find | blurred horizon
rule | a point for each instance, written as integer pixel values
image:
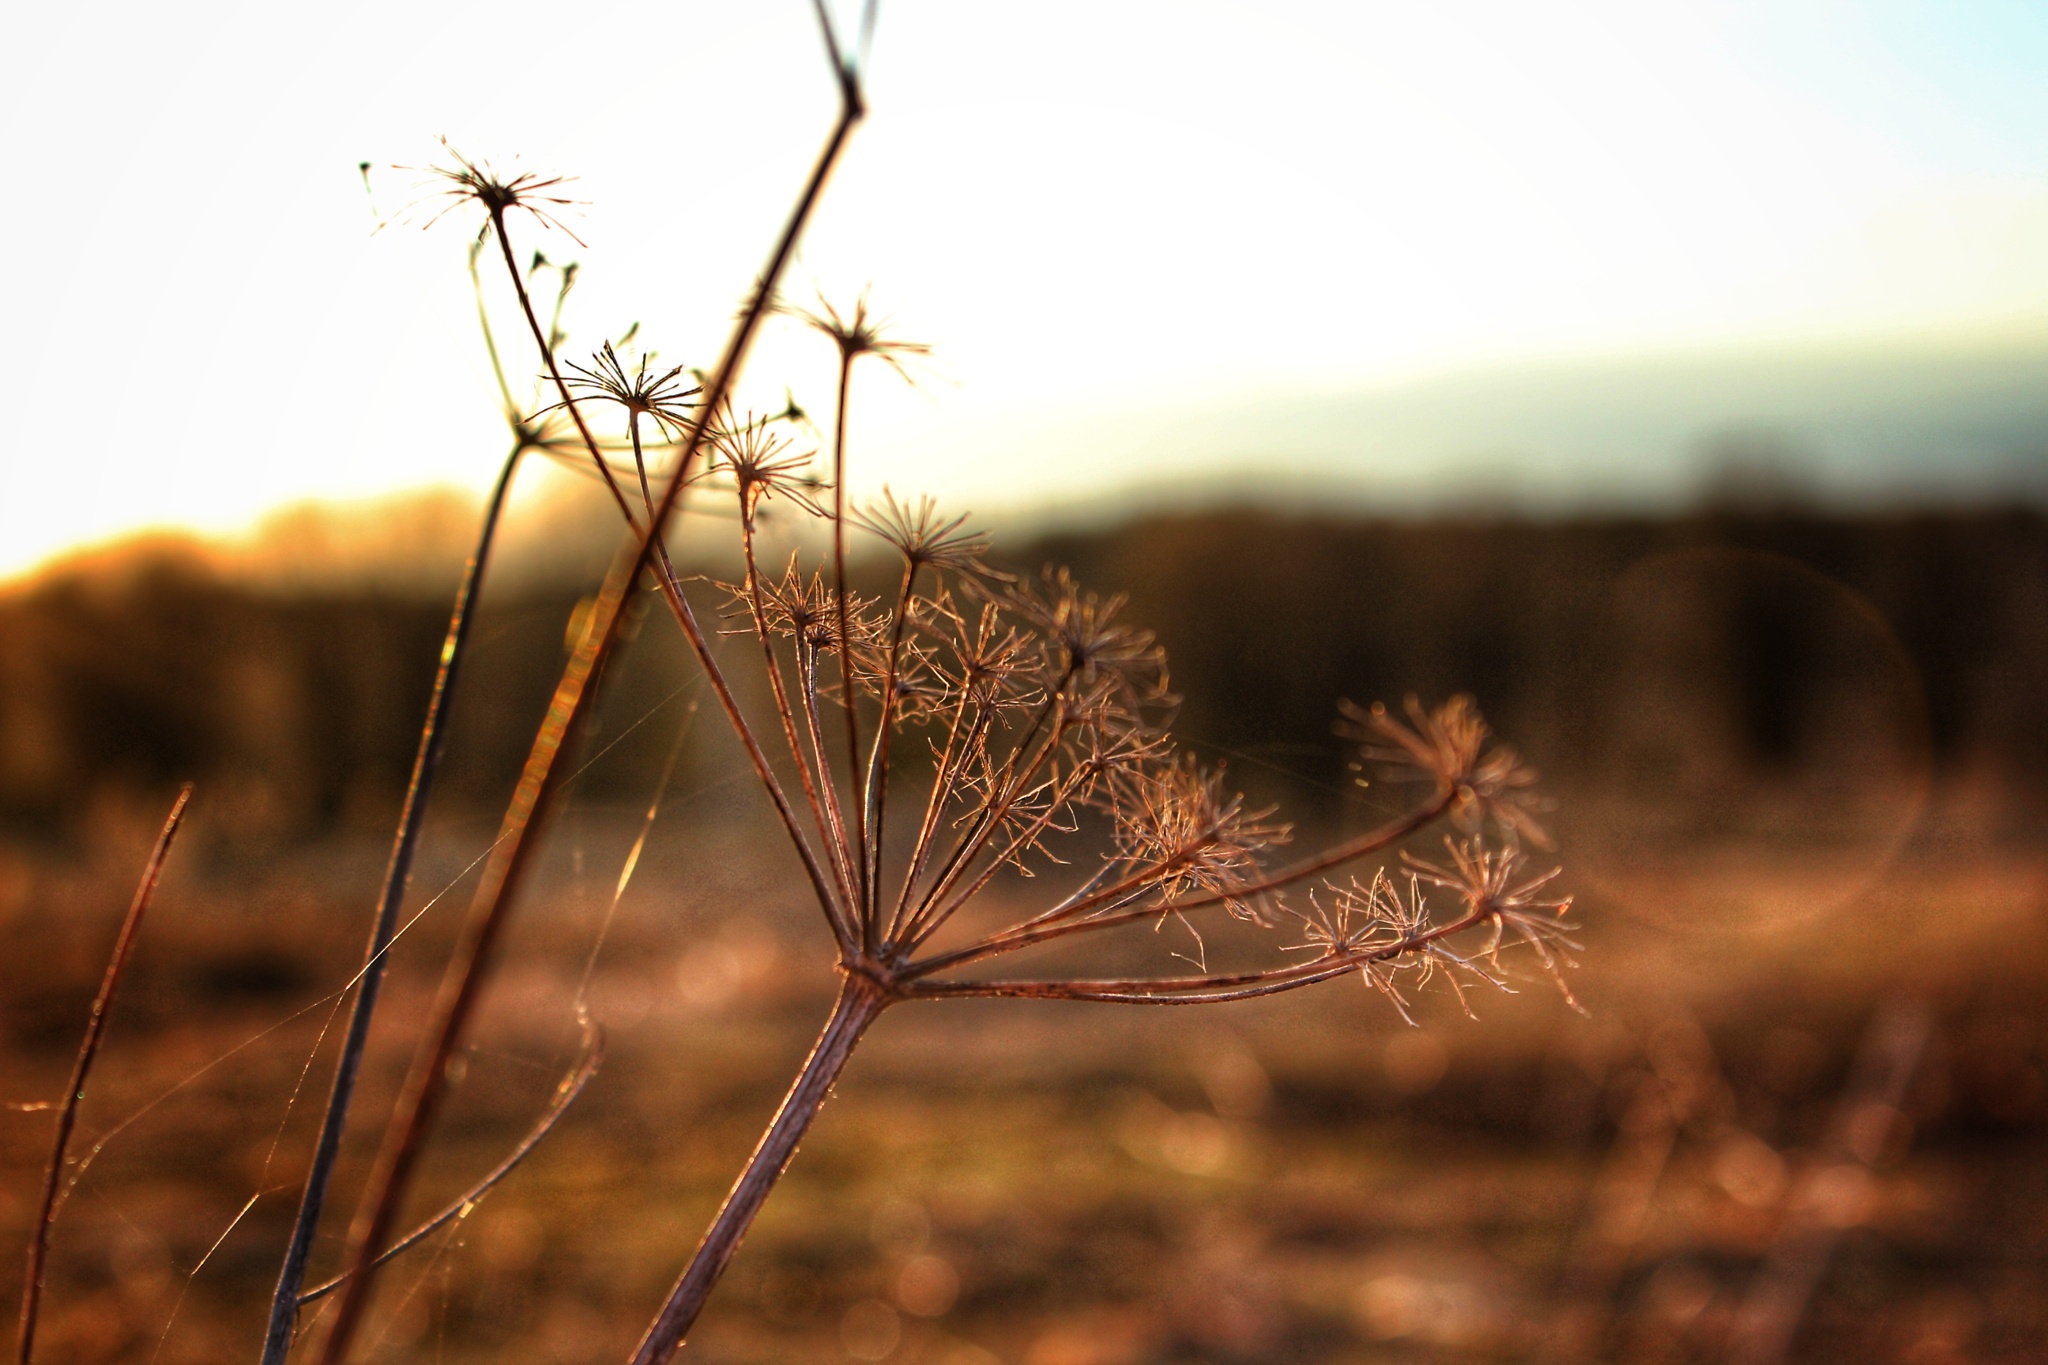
(1597, 255)
(1950, 423)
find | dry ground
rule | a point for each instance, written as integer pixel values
(1295, 1180)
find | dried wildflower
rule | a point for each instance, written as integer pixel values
(479, 183)
(906, 666)
(759, 462)
(857, 333)
(1178, 819)
(1102, 755)
(1368, 924)
(1083, 641)
(1449, 747)
(1495, 890)
(641, 392)
(1042, 712)
(922, 537)
(801, 607)
(987, 665)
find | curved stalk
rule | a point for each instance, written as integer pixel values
(566, 1094)
(74, 1090)
(547, 350)
(860, 1001)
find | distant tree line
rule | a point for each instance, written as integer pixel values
(1752, 640)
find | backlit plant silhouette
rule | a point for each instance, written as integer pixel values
(968, 767)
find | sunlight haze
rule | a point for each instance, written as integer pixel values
(1145, 240)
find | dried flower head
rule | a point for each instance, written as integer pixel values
(1370, 925)
(1083, 643)
(1494, 888)
(857, 333)
(477, 182)
(1179, 818)
(641, 392)
(1448, 746)
(922, 537)
(760, 462)
(801, 607)
(989, 664)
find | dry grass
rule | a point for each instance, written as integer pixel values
(1298, 1179)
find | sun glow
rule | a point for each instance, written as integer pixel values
(1092, 211)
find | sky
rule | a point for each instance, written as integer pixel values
(1151, 244)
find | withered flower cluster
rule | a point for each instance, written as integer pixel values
(969, 766)
(973, 729)
(973, 765)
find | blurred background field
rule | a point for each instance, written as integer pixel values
(1672, 378)
(1799, 772)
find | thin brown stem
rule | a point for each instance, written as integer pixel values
(1372, 841)
(860, 1001)
(1005, 792)
(849, 699)
(1198, 990)
(1001, 792)
(944, 781)
(640, 463)
(1018, 844)
(822, 883)
(828, 826)
(807, 686)
(277, 1341)
(878, 761)
(461, 987)
(547, 353)
(74, 1089)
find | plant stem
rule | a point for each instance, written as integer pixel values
(284, 1303)
(74, 1091)
(860, 1001)
(862, 906)
(547, 352)
(469, 966)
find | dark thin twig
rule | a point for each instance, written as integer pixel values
(277, 1340)
(425, 1087)
(74, 1091)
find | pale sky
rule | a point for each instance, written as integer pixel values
(1093, 211)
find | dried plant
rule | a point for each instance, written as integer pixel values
(967, 768)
